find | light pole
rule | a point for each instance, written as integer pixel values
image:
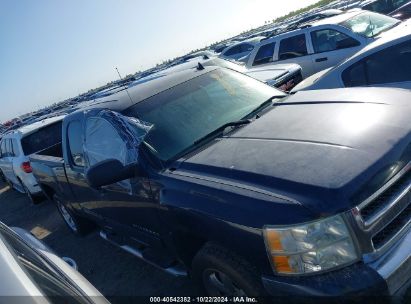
(118, 73)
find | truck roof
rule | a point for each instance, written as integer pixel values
(146, 87)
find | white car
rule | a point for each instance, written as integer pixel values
(16, 147)
(324, 43)
(383, 63)
(240, 50)
(32, 273)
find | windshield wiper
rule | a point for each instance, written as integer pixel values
(263, 106)
(222, 128)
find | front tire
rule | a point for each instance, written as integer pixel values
(76, 224)
(220, 272)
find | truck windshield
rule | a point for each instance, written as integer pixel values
(42, 139)
(189, 111)
(370, 24)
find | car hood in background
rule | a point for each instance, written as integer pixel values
(273, 73)
(327, 149)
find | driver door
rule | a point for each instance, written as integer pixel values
(294, 49)
(126, 205)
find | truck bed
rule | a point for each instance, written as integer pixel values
(49, 172)
(55, 151)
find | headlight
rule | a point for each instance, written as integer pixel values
(312, 247)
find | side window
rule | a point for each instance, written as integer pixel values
(398, 3)
(246, 47)
(292, 47)
(103, 142)
(330, 40)
(380, 6)
(355, 76)
(15, 147)
(265, 54)
(390, 65)
(234, 50)
(75, 142)
(3, 148)
(9, 148)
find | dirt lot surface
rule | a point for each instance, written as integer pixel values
(114, 272)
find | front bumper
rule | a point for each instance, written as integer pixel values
(355, 280)
(388, 276)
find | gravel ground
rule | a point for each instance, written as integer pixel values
(114, 272)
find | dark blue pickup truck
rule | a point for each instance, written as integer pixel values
(211, 173)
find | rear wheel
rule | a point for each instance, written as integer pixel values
(76, 224)
(220, 272)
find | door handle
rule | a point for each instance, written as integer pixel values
(321, 59)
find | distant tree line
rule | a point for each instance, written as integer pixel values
(303, 10)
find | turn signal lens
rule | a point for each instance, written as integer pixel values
(274, 240)
(282, 264)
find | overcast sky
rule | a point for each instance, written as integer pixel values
(52, 50)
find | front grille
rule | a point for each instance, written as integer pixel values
(389, 231)
(378, 204)
(389, 214)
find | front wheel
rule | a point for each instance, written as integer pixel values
(77, 225)
(220, 272)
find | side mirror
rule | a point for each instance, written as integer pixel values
(110, 171)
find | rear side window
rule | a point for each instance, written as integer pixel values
(355, 76)
(42, 139)
(292, 47)
(3, 148)
(75, 142)
(246, 47)
(234, 50)
(390, 65)
(330, 40)
(15, 147)
(9, 148)
(241, 48)
(387, 66)
(265, 54)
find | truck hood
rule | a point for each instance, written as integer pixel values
(329, 150)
